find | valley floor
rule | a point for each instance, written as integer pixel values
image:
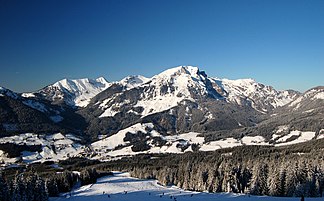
(123, 187)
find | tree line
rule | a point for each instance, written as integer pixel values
(29, 186)
(296, 170)
(257, 170)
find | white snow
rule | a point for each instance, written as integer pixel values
(321, 134)
(173, 86)
(159, 104)
(282, 128)
(113, 110)
(64, 146)
(81, 90)
(319, 96)
(28, 95)
(255, 140)
(231, 142)
(122, 187)
(110, 112)
(244, 91)
(133, 81)
(180, 79)
(161, 92)
(191, 137)
(284, 138)
(118, 138)
(302, 137)
(313, 94)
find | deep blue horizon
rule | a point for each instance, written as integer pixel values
(276, 42)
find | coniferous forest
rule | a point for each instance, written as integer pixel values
(291, 171)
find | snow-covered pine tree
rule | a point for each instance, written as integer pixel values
(274, 182)
(291, 180)
(259, 179)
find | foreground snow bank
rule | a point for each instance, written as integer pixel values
(123, 187)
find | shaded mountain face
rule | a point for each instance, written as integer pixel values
(20, 113)
(304, 113)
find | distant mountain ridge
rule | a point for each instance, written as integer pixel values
(74, 92)
(180, 109)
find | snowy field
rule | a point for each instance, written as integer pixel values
(123, 187)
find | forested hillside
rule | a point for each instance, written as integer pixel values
(258, 170)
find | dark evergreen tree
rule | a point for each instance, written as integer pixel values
(4, 191)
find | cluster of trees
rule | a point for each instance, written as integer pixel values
(14, 150)
(259, 170)
(23, 187)
(248, 169)
(29, 186)
(258, 177)
(65, 181)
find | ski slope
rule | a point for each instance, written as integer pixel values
(123, 187)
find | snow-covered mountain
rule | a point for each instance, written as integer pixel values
(261, 97)
(311, 99)
(183, 99)
(74, 92)
(162, 92)
(171, 87)
(178, 110)
(133, 81)
(7, 92)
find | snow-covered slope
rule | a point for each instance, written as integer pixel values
(7, 92)
(53, 147)
(183, 99)
(133, 81)
(121, 186)
(138, 139)
(175, 111)
(260, 97)
(312, 98)
(169, 88)
(163, 91)
(75, 92)
(143, 138)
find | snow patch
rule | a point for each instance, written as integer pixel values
(79, 91)
(300, 137)
(133, 81)
(28, 95)
(319, 96)
(54, 147)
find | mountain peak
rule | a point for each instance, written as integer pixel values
(179, 70)
(7, 92)
(133, 81)
(102, 80)
(75, 92)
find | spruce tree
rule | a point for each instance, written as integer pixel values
(4, 191)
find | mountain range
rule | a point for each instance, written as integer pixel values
(180, 109)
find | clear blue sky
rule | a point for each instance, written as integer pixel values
(276, 42)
